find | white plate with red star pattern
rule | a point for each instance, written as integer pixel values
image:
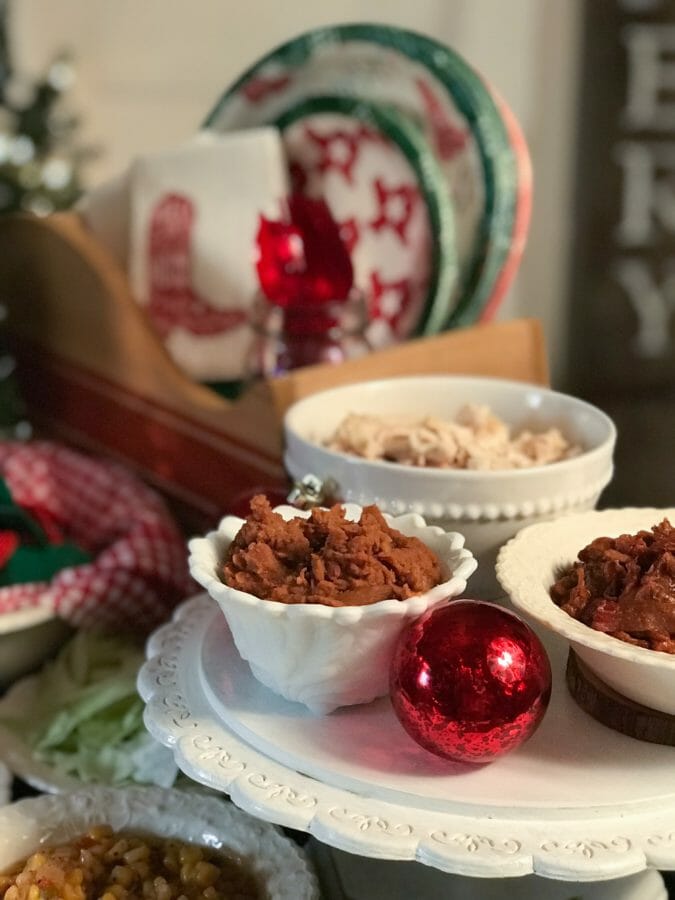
(375, 170)
(436, 227)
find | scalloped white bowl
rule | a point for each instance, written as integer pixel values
(526, 569)
(488, 508)
(279, 865)
(319, 655)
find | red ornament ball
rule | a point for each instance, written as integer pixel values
(470, 681)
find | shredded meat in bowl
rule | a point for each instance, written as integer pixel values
(476, 439)
(625, 587)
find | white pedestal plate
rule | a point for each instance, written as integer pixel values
(577, 802)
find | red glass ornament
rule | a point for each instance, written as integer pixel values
(470, 681)
(303, 262)
(329, 275)
(309, 311)
(281, 260)
(240, 505)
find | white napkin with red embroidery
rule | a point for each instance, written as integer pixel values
(190, 216)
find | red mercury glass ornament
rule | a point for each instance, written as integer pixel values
(281, 260)
(470, 681)
(309, 311)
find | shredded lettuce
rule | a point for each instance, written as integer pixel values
(86, 717)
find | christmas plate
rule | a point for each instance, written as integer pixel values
(473, 136)
(384, 186)
(577, 802)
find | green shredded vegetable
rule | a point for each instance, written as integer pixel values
(86, 717)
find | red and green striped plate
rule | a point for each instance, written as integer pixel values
(434, 114)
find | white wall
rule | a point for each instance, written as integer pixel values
(149, 71)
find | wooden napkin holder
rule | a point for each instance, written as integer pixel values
(94, 373)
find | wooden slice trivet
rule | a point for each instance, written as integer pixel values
(614, 710)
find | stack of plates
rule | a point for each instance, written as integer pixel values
(424, 167)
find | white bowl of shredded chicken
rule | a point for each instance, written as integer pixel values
(483, 456)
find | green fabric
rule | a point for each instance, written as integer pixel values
(15, 518)
(29, 563)
(38, 560)
(5, 496)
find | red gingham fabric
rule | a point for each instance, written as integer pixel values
(139, 572)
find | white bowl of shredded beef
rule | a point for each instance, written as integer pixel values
(316, 600)
(606, 582)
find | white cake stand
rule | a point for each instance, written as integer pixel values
(577, 802)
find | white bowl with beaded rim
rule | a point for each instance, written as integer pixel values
(487, 507)
(530, 563)
(325, 656)
(278, 864)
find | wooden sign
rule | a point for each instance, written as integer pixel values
(623, 302)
